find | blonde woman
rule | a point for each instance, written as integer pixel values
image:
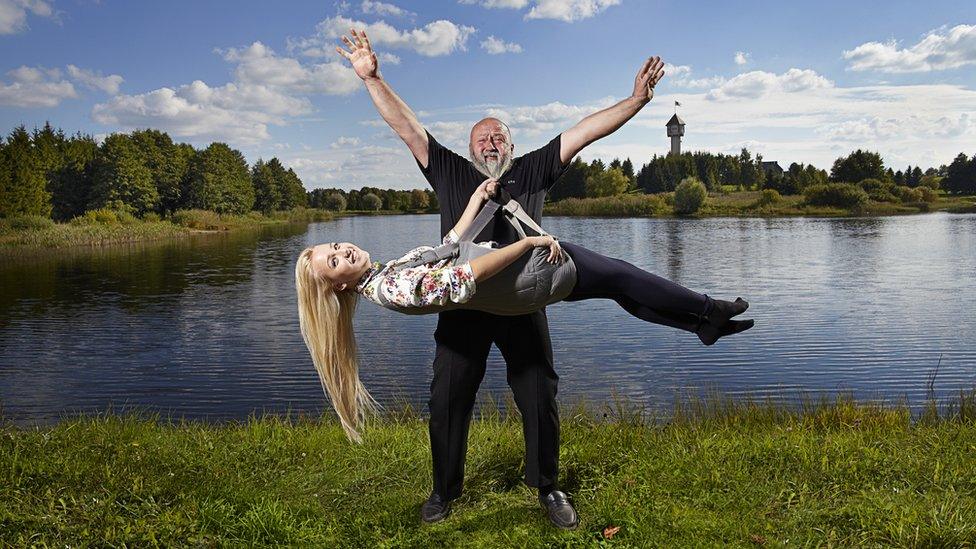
(516, 279)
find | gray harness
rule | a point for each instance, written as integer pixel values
(528, 284)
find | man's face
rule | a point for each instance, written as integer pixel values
(490, 148)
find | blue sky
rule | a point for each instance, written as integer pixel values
(803, 82)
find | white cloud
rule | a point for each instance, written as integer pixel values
(382, 8)
(387, 58)
(437, 38)
(90, 79)
(741, 58)
(755, 84)
(938, 50)
(13, 14)
(680, 76)
(35, 87)
(496, 46)
(568, 10)
(537, 119)
(562, 10)
(267, 90)
(259, 64)
(344, 141)
(508, 4)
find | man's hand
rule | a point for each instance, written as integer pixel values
(361, 54)
(647, 77)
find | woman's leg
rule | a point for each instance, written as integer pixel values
(652, 298)
(643, 294)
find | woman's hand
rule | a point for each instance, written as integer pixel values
(555, 251)
(486, 190)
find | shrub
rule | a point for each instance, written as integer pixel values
(625, 205)
(907, 194)
(29, 222)
(196, 219)
(689, 195)
(151, 217)
(839, 195)
(769, 197)
(878, 190)
(928, 194)
(931, 181)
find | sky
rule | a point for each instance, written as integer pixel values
(794, 81)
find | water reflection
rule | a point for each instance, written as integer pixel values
(206, 327)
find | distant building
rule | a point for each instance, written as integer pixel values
(676, 128)
(772, 168)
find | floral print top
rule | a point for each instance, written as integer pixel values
(437, 283)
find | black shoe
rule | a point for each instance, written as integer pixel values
(435, 509)
(709, 334)
(560, 511)
(721, 311)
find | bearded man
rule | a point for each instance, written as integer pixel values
(464, 337)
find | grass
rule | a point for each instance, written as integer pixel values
(719, 473)
(30, 233)
(743, 204)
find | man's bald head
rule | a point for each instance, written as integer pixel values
(491, 147)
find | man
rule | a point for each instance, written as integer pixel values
(464, 337)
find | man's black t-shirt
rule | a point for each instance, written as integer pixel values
(454, 178)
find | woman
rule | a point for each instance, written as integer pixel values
(330, 277)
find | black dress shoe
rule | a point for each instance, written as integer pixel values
(435, 509)
(560, 511)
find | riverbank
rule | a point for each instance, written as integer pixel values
(836, 474)
(745, 204)
(105, 227)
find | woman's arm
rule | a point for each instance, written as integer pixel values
(488, 265)
(477, 200)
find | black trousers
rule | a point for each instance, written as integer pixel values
(464, 338)
(645, 295)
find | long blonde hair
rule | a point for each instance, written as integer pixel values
(325, 317)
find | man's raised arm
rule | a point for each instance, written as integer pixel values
(396, 113)
(603, 123)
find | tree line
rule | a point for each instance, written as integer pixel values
(49, 174)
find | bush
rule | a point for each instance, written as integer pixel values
(928, 194)
(372, 202)
(196, 219)
(768, 198)
(151, 217)
(931, 181)
(624, 205)
(907, 194)
(878, 190)
(838, 195)
(29, 222)
(689, 195)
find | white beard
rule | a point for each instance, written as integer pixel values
(493, 170)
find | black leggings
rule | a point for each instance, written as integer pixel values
(642, 294)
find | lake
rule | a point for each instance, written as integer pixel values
(206, 328)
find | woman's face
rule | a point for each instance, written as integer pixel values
(340, 262)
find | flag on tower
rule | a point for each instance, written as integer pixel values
(676, 104)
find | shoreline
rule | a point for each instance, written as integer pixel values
(58, 236)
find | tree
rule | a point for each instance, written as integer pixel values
(628, 170)
(572, 183)
(335, 202)
(606, 183)
(961, 175)
(689, 196)
(916, 179)
(168, 164)
(293, 191)
(372, 202)
(419, 200)
(220, 180)
(751, 175)
(267, 195)
(121, 178)
(24, 189)
(71, 185)
(857, 166)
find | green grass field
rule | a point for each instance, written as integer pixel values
(831, 474)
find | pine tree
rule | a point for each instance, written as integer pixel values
(24, 189)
